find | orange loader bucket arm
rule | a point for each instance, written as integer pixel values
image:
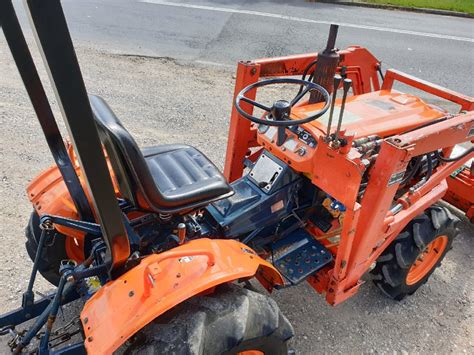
(124, 306)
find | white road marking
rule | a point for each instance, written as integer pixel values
(306, 20)
(206, 62)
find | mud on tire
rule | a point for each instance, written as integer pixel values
(393, 266)
(229, 321)
(53, 252)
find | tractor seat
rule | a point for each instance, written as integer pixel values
(172, 178)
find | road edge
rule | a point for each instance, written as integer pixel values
(396, 7)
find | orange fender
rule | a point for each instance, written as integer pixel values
(161, 281)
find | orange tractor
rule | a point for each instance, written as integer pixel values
(161, 246)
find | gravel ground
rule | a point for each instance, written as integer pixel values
(163, 101)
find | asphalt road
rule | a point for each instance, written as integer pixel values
(436, 48)
(165, 101)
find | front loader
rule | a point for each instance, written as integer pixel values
(343, 178)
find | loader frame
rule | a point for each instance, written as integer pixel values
(371, 225)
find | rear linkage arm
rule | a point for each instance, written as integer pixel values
(46, 309)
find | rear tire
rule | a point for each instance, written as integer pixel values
(229, 321)
(53, 253)
(417, 251)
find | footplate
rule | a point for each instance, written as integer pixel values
(299, 255)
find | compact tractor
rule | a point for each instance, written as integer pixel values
(342, 178)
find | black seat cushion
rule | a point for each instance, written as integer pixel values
(165, 178)
(184, 175)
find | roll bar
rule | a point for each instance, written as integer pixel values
(52, 36)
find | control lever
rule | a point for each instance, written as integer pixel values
(337, 82)
(346, 85)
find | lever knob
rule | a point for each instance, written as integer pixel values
(337, 81)
(346, 85)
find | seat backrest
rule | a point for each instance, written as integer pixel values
(124, 154)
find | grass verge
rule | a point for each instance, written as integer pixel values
(451, 5)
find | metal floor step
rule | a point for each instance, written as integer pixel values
(299, 255)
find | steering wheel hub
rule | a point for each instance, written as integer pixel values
(281, 110)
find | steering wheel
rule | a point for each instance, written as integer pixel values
(281, 109)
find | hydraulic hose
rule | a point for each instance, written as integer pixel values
(449, 160)
(413, 170)
(429, 172)
(305, 72)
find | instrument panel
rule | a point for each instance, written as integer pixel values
(299, 142)
(304, 136)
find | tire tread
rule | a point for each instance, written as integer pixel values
(389, 274)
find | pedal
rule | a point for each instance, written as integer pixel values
(299, 255)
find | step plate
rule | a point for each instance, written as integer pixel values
(299, 255)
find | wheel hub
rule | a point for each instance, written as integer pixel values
(427, 259)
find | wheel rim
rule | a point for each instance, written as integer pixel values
(427, 259)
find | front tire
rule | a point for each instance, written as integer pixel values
(232, 320)
(416, 252)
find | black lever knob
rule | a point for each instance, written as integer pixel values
(346, 85)
(337, 82)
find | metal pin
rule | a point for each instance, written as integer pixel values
(346, 85)
(337, 81)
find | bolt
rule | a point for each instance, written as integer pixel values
(86, 320)
(253, 71)
(90, 339)
(131, 294)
